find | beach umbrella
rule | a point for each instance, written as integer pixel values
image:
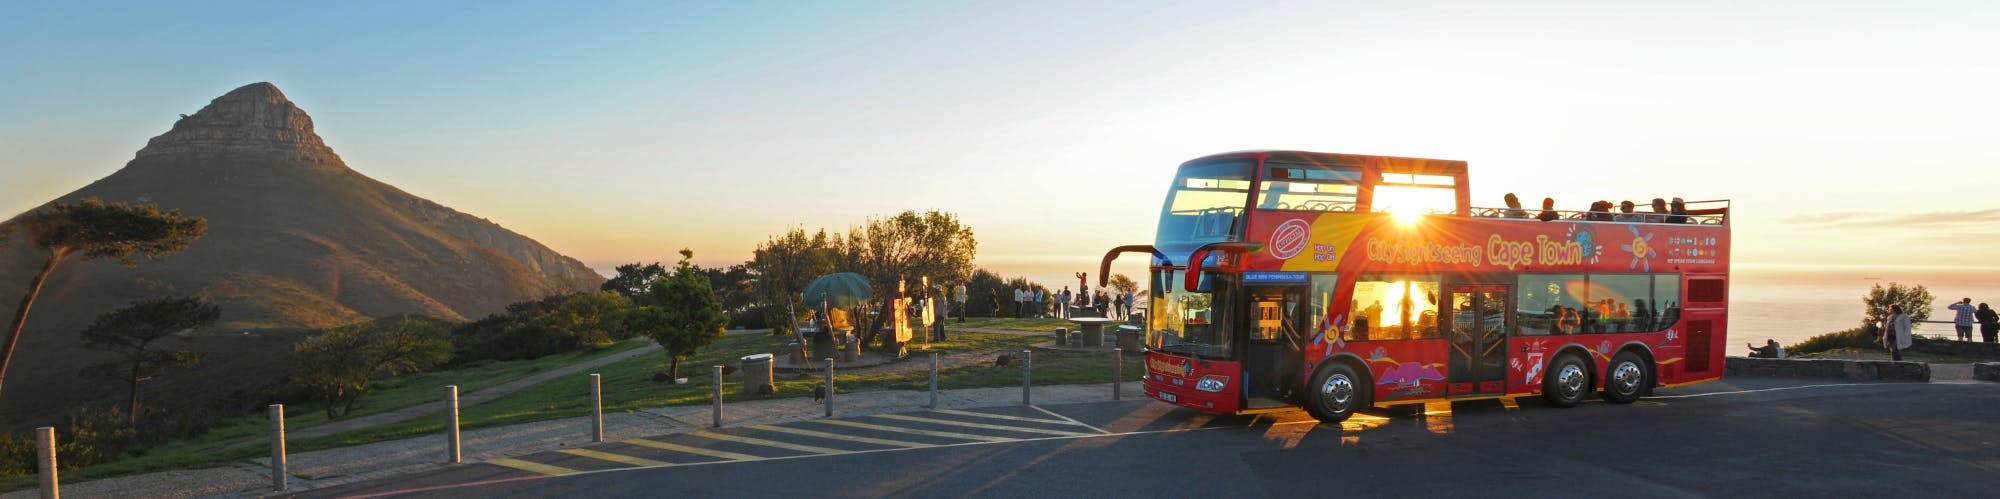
(838, 290)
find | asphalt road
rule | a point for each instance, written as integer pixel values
(1744, 437)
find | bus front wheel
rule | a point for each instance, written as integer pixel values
(1336, 393)
(1628, 378)
(1567, 380)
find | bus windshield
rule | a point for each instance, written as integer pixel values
(1205, 205)
(1191, 323)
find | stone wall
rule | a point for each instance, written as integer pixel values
(1884, 370)
(1987, 371)
(1955, 347)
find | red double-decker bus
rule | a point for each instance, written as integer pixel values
(1340, 281)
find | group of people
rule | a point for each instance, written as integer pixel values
(1608, 316)
(1966, 315)
(1664, 211)
(1037, 303)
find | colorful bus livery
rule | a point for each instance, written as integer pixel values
(1334, 282)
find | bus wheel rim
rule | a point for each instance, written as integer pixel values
(1571, 381)
(1338, 392)
(1627, 375)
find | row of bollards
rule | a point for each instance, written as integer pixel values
(45, 444)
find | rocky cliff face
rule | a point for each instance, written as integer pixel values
(296, 241)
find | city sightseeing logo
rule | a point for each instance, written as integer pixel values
(1641, 249)
(1290, 238)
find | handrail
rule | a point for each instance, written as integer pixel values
(1195, 258)
(1104, 268)
(1695, 216)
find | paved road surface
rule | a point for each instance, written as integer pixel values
(1745, 437)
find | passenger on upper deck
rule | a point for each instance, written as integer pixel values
(1514, 207)
(1548, 210)
(1680, 215)
(1625, 213)
(1600, 211)
(1659, 214)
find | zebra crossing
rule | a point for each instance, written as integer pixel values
(824, 437)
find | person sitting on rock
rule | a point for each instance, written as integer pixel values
(1770, 350)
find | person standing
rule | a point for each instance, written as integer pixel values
(1118, 307)
(959, 292)
(1062, 303)
(1128, 305)
(1896, 332)
(1989, 322)
(1037, 306)
(1963, 319)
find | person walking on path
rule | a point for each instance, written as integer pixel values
(1962, 320)
(1896, 332)
(1989, 322)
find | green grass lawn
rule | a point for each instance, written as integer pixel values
(628, 385)
(1037, 325)
(224, 443)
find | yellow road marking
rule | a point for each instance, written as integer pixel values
(768, 443)
(837, 436)
(616, 458)
(982, 426)
(1006, 417)
(912, 431)
(690, 449)
(532, 467)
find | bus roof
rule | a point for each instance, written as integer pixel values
(1394, 164)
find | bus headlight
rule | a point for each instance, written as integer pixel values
(1212, 383)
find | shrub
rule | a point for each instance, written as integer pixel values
(1860, 337)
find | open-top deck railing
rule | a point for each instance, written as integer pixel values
(1710, 212)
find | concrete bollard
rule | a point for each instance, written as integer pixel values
(1117, 372)
(45, 452)
(279, 471)
(451, 439)
(934, 376)
(596, 408)
(716, 372)
(1027, 359)
(829, 387)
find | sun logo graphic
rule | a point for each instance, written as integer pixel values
(1588, 240)
(1641, 249)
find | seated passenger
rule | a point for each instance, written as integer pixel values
(1514, 207)
(1770, 350)
(1625, 213)
(1600, 211)
(1548, 210)
(1680, 213)
(1659, 214)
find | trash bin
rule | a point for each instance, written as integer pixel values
(850, 348)
(822, 347)
(757, 375)
(796, 354)
(1128, 338)
(1062, 336)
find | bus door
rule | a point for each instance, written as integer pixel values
(1279, 316)
(1478, 363)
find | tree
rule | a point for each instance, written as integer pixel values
(1124, 284)
(635, 281)
(688, 317)
(589, 318)
(130, 333)
(1915, 300)
(909, 245)
(338, 364)
(94, 230)
(732, 286)
(783, 266)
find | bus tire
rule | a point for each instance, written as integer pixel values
(1626, 379)
(1336, 392)
(1566, 382)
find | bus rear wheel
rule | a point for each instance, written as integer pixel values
(1567, 381)
(1627, 379)
(1336, 393)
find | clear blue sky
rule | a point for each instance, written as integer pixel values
(1848, 133)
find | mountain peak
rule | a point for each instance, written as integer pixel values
(253, 121)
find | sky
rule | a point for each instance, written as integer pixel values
(1845, 134)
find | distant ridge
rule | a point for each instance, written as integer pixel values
(296, 240)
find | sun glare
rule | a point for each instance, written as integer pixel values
(1409, 204)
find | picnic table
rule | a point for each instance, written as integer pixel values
(1093, 329)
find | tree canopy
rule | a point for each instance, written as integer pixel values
(688, 317)
(635, 281)
(781, 268)
(338, 364)
(130, 333)
(94, 230)
(1914, 299)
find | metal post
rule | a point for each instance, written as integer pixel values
(596, 408)
(45, 448)
(717, 374)
(279, 471)
(452, 441)
(1117, 372)
(1027, 358)
(934, 373)
(829, 387)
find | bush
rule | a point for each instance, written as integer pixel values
(1860, 337)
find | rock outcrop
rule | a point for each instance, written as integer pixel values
(296, 241)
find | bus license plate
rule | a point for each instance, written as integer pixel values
(1169, 397)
